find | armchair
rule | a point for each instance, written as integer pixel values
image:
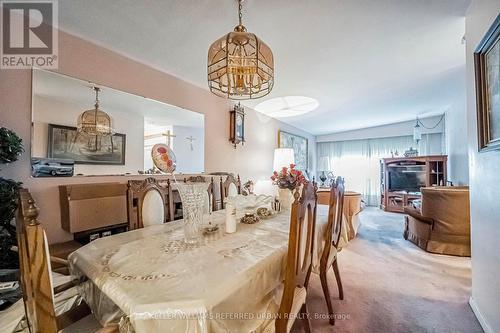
(442, 225)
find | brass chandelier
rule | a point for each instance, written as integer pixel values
(240, 65)
(95, 122)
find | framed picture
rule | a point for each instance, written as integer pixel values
(487, 72)
(300, 147)
(66, 143)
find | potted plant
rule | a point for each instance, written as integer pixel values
(10, 148)
(287, 180)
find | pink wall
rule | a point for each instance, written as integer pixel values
(84, 60)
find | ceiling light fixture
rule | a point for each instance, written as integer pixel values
(287, 106)
(417, 132)
(240, 65)
(95, 121)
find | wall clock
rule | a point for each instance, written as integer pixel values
(237, 125)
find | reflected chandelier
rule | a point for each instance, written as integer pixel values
(95, 121)
(240, 65)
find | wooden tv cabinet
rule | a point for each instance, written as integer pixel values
(431, 168)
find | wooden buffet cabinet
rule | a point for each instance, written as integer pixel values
(402, 177)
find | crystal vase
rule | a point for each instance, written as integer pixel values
(193, 198)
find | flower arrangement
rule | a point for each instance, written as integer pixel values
(288, 178)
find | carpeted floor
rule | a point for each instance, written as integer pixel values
(390, 285)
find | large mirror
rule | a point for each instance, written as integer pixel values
(70, 138)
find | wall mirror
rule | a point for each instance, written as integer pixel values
(65, 143)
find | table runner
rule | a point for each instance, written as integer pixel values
(225, 284)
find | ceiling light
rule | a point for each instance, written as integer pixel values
(95, 121)
(287, 106)
(240, 65)
(417, 132)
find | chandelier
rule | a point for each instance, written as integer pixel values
(94, 121)
(240, 65)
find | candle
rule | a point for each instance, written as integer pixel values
(230, 218)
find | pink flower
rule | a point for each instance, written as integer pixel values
(273, 177)
(292, 166)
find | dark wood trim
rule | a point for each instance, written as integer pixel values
(485, 141)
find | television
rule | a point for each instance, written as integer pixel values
(406, 180)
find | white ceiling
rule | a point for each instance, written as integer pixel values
(367, 62)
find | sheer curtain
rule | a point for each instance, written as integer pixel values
(358, 161)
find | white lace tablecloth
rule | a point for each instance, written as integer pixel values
(158, 284)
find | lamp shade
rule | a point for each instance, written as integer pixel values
(283, 157)
(324, 164)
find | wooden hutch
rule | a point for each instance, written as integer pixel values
(402, 177)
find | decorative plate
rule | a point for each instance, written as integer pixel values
(163, 158)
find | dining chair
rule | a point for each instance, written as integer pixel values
(37, 283)
(331, 247)
(149, 202)
(298, 263)
(229, 187)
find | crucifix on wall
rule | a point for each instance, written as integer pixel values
(191, 139)
(169, 135)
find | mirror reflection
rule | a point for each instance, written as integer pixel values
(81, 128)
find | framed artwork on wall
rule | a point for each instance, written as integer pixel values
(487, 73)
(300, 146)
(66, 143)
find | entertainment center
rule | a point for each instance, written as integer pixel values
(402, 177)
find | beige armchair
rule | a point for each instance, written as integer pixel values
(442, 225)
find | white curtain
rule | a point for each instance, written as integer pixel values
(358, 161)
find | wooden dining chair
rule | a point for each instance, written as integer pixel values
(330, 251)
(36, 279)
(298, 263)
(230, 186)
(149, 203)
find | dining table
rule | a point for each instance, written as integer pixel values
(150, 280)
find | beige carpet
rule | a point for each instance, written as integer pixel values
(390, 285)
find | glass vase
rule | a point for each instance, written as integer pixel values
(193, 198)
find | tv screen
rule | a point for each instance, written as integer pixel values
(406, 181)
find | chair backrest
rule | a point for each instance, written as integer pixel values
(34, 260)
(229, 187)
(149, 202)
(335, 215)
(300, 251)
(449, 207)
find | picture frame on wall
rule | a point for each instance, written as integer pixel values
(64, 142)
(300, 146)
(487, 75)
